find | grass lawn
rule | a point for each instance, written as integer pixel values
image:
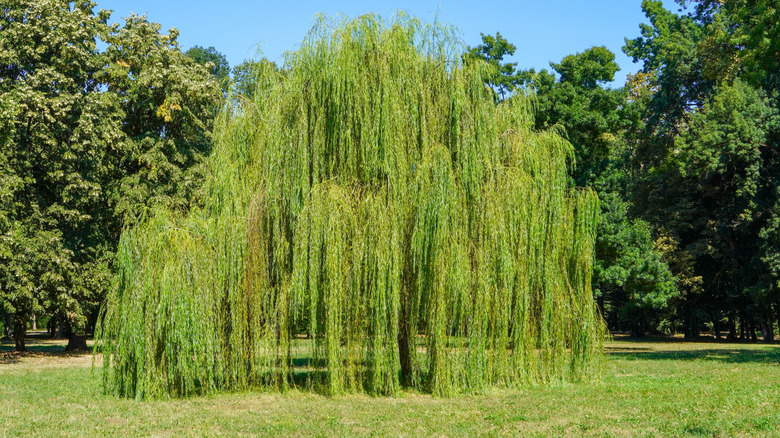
(650, 388)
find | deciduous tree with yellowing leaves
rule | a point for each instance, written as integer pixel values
(90, 138)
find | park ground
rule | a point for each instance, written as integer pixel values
(654, 387)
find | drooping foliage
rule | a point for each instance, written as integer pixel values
(371, 219)
(631, 282)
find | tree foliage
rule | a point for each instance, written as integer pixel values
(708, 156)
(247, 76)
(214, 61)
(503, 77)
(48, 89)
(578, 100)
(166, 103)
(377, 201)
(89, 138)
(632, 282)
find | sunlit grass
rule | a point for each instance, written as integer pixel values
(651, 388)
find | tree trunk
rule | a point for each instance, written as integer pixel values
(59, 332)
(638, 330)
(404, 339)
(20, 330)
(767, 330)
(742, 330)
(407, 342)
(8, 326)
(732, 327)
(77, 342)
(752, 331)
(716, 326)
(691, 326)
(777, 311)
(34, 323)
(405, 356)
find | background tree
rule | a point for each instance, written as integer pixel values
(493, 49)
(631, 280)
(90, 139)
(580, 101)
(214, 61)
(166, 104)
(742, 43)
(50, 96)
(707, 159)
(251, 76)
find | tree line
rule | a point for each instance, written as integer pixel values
(100, 121)
(684, 157)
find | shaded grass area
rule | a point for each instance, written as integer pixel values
(39, 345)
(704, 349)
(650, 388)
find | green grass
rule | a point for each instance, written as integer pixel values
(650, 388)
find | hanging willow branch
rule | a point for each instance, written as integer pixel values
(373, 219)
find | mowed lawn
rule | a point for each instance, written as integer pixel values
(650, 388)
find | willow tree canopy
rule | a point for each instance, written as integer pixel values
(371, 220)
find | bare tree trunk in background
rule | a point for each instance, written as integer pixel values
(777, 312)
(76, 339)
(716, 326)
(59, 332)
(691, 325)
(34, 322)
(20, 330)
(752, 331)
(77, 342)
(638, 330)
(768, 330)
(732, 327)
(8, 324)
(742, 327)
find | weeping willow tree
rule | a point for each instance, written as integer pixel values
(371, 220)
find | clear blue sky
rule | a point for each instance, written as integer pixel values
(543, 31)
